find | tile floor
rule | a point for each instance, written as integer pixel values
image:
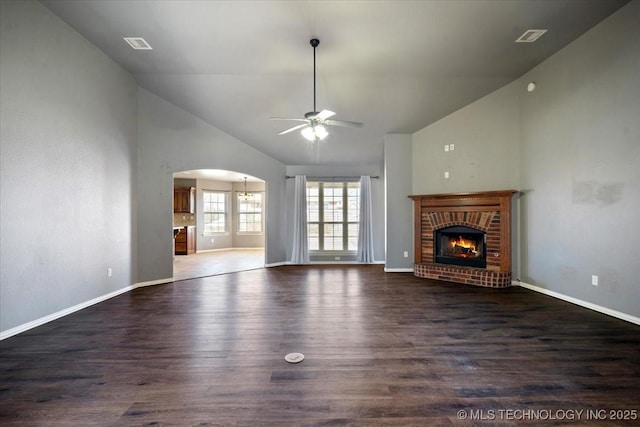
(218, 262)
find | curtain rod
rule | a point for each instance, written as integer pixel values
(333, 177)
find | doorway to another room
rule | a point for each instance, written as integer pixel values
(218, 223)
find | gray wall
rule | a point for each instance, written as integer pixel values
(68, 160)
(580, 167)
(485, 135)
(377, 201)
(398, 206)
(576, 143)
(172, 140)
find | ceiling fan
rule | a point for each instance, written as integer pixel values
(314, 122)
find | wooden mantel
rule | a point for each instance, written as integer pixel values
(489, 211)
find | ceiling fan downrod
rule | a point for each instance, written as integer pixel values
(314, 43)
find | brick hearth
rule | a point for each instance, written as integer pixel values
(487, 211)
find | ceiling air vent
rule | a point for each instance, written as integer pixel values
(530, 36)
(138, 43)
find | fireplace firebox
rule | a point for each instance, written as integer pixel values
(459, 245)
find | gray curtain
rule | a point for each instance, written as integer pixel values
(300, 252)
(365, 229)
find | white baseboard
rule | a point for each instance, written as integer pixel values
(331, 262)
(228, 249)
(205, 251)
(51, 317)
(153, 282)
(276, 264)
(614, 313)
(398, 270)
(57, 315)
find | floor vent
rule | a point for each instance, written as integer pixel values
(294, 357)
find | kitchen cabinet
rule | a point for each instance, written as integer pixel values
(185, 241)
(184, 200)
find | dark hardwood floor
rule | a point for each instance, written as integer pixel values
(380, 349)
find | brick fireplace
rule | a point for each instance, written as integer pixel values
(487, 213)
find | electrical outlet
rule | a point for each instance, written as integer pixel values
(109, 272)
(446, 175)
(446, 148)
(337, 258)
(452, 147)
(406, 254)
(594, 280)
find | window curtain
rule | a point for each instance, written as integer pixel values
(365, 229)
(300, 252)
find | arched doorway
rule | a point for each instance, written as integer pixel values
(218, 221)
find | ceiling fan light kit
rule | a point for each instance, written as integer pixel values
(314, 133)
(313, 129)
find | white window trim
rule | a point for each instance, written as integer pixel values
(237, 214)
(227, 224)
(332, 252)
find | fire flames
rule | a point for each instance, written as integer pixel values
(463, 248)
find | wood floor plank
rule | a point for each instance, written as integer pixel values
(380, 349)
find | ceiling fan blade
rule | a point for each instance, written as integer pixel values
(293, 128)
(289, 119)
(343, 123)
(325, 114)
(320, 116)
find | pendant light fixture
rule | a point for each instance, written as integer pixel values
(245, 196)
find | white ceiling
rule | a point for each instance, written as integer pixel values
(396, 66)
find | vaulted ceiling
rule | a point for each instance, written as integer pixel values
(397, 66)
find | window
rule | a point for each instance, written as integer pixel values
(250, 214)
(215, 212)
(333, 210)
